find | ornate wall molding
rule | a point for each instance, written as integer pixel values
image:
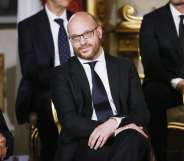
(97, 8)
(129, 19)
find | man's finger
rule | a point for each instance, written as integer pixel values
(103, 142)
(139, 129)
(141, 132)
(93, 141)
(91, 137)
(132, 126)
(98, 142)
(120, 129)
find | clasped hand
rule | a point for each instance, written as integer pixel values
(3, 148)
(104, 131)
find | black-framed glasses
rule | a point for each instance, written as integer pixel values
(86, 35)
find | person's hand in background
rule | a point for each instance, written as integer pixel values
(3, 148)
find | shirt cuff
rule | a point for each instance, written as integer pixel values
(175, 81)
(118, 119)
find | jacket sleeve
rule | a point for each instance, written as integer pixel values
(137, 111)
(23, 105)
(26, 52)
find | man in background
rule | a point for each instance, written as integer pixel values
(43, 44)
(162, 52)
(6, 139)
(99, 101)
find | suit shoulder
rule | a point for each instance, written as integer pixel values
(58, 73)
(60, 69)
(157, 13)
(57, 68)
(32, 18)
(64, 68)
(121, 61)
(69, 14)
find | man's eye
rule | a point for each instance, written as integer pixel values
(76, 38)
(87, 34)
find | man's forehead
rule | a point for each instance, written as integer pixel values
(81, 17)
(80, 29)
(81, 26)
(82, 20)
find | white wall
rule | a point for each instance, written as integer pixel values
(8, 46)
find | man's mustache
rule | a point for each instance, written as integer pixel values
(84, 46)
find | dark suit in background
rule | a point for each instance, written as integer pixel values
(36, 51)
(163, 60)
(4, 131)
(72, 98)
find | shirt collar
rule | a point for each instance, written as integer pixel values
(174, 11)
(101, 58)
(52, 16)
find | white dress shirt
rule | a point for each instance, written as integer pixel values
(176, 16)
(101, 70)
(55, 30)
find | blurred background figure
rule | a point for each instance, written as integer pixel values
(42, 44)
(162, 51)
(6, 139)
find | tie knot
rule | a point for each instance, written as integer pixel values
(92, 64)
(59, 21)
(181, 17)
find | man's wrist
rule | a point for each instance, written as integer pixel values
(118, 119)
(113, 118)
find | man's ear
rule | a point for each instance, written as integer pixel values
(99, 31)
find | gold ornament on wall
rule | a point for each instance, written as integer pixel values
(130, 21)
(97, 8)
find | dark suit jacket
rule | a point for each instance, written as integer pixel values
(162, 56)
(72, 98)
(36, 51)
(7, 134)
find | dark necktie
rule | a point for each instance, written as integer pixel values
(63, 42)
(181, 33)
(99, 96)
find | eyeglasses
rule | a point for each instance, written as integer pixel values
(86, 35)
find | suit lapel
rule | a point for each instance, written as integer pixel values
(69, 14)
(112, 69)
(46, 36)
(169, 24)
(80, 77)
